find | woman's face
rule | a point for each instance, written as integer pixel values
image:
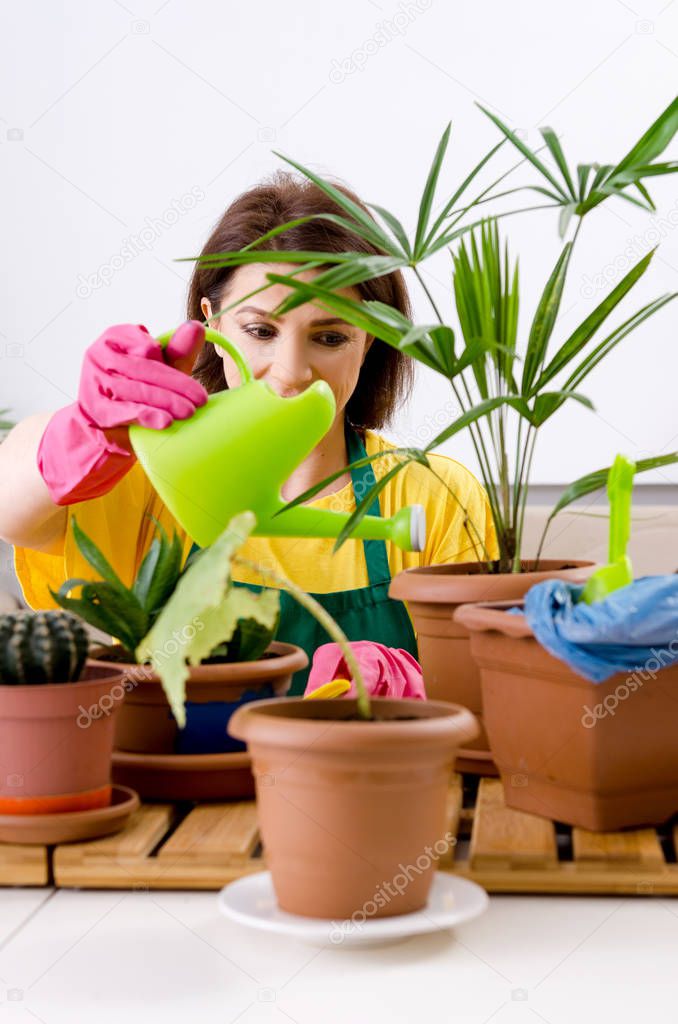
(289, 353)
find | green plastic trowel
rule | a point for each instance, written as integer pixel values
(619, 572)
(236, 452)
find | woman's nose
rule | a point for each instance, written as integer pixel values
(289, 373)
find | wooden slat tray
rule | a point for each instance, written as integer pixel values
(206, 846)
(24, 865)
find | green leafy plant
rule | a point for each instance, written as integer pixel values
(506, 386)
(125, 613)
(4, 423)
(129, 613)
(205, 608)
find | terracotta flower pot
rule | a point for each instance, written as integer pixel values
(56, 741)
(433, 593)
(351, 811)
(146, 724)
(602, 756)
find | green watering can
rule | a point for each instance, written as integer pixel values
(236, 452)
(619, 572)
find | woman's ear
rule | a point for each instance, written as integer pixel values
(206, 307)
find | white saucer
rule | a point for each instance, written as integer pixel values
(251, 901)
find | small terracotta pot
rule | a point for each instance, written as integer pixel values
(351, 811)
(146, 724)
(56, 741)
(558, 756)
(433, 593)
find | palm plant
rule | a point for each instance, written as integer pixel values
(509, 407)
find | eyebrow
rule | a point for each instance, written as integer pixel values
(326, 321)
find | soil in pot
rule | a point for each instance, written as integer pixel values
(352, 812)
(56, 741)
(432, 594)
(602, 756)
(214, 690)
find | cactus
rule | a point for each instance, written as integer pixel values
(41, 647)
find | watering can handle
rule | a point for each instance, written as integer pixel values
(619, 491)
(219, 339)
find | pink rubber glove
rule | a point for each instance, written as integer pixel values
(387, 671)
(126, 377)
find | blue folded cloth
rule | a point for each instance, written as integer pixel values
(634, 628)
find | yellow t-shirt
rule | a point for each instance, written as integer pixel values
(119, 523)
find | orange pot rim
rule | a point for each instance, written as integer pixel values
(99, 678)
(492, 616)
(461, 582)
(277, 722)
(289, 658)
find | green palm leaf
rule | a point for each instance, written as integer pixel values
(597, 480)
(516, 141)
(396, 227)
(429, 193)
(365, 504)
(619, 333)
(358, 314)
(550, 401)
(545, 319)
(651, 144)
(347, 274)
(588, 327)
(369, 228)
(411, 454)
(555, 149)
(448, 208)
(479, 411)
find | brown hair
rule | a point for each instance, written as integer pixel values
(387, 375)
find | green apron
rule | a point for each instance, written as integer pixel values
(367, 613)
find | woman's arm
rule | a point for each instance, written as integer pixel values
(28, 516)
(80, 452)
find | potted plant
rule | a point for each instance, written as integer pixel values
(601, 756)
(521, 385)
(57, 716)
(351, 793)
(250, 666)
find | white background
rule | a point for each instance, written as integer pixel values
(112, 111)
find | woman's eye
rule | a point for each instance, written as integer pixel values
(261, 331)
(331, 339)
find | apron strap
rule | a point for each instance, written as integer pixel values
(376, 557)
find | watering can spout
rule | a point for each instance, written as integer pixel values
(235, 454)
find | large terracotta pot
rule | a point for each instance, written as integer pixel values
(350, 809)
(56, 741)
(146, 724)
(433, 593)
(599, 755)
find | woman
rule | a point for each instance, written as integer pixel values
(79, 461)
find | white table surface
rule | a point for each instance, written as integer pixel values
(71, 956)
